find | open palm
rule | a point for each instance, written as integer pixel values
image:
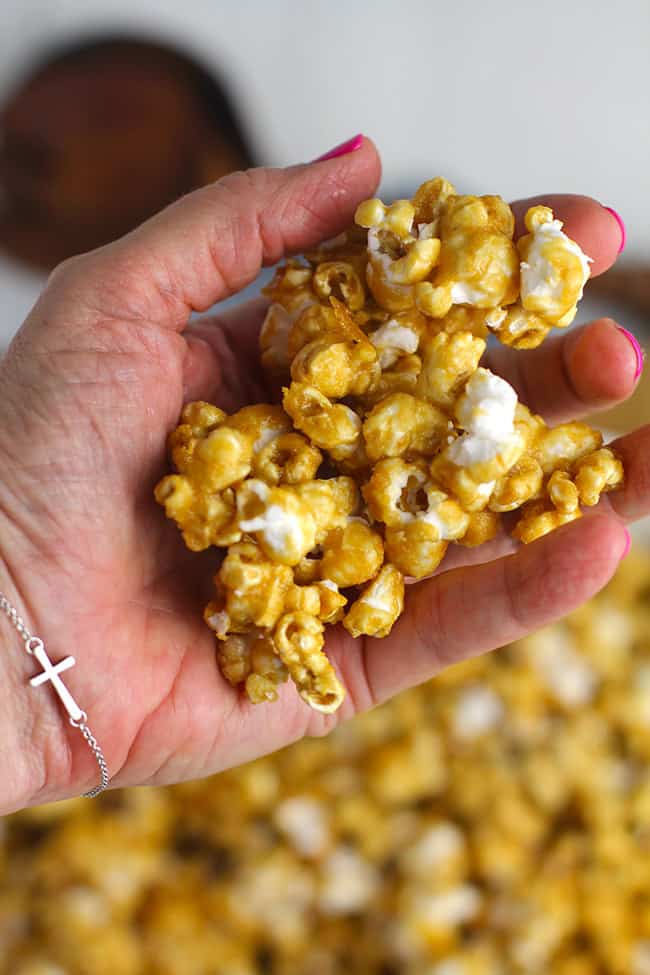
(90, 388)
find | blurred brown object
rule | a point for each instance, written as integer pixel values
(101, 136)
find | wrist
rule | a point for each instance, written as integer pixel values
(35, 752)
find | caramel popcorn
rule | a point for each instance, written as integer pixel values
(392, 442)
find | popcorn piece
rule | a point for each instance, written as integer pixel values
(478, 712)
(560, 447)
(491, 445)
(416, 548)
(267, 671)
(397, 258)
(216, 460)
(538, 520)
(483, 527)
(321, 599)
(304, 822)
(290, 293)
(478, 260)
(287, 459)
(597, 472)
(250, 659)
(553, 268)
(262, 423)
(299, 641)
(402, 424)
(335, 366)
(562, 492)
(378, 606)
(278, 519)
(448, 361)
(233, 653)
(331, 503)
(253, 590)
(315, 322)
(339, 279)
(397, 337)
(522, 483)
(348, 884)
(420, 518)
(402, 377)
(204, 518)
(352, 554)
(326, 424)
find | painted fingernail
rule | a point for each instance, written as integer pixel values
(628, 545)
(638, 351)
(621, 223)
(351, 145)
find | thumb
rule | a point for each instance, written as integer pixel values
(213, 242)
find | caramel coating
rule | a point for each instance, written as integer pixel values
(299, 640)
(378, 607)
(352, 554)
(327, 424)
(403, 425)
(393, 442)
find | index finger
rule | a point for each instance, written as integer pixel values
(588, 222)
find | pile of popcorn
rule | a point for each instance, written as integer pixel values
(495, 821)
(392, 440)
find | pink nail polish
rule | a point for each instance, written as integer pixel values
(351, 145)
(638, 351)
(628, 545)
(619, 220)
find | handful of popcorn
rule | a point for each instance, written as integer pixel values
(392, 440)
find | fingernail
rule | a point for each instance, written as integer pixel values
(638, 351)
(628, 544)
(343, 149)
(621, 223)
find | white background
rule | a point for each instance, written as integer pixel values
(500, 96)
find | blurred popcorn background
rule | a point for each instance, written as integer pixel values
(496, 820)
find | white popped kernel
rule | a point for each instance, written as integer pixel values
(279, 528)
(450, 966)
(437, 846)
(495, 318)
(377, 604)
(304, 822)
(641, 695)
(219, 622)
(463, 294)
(392, 339)
(427, 230)
(641, 958)
(277, 324)
(478, 711)
(87, 904)
(539, 278)
(567, 674)
(268, 434)
(486, 411)
(458, 905)
(348, 883)
(329, 585)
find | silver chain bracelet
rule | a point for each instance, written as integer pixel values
(78, 718)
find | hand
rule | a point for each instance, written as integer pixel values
(89, 389)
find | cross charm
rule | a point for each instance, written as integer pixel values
(51, 673)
